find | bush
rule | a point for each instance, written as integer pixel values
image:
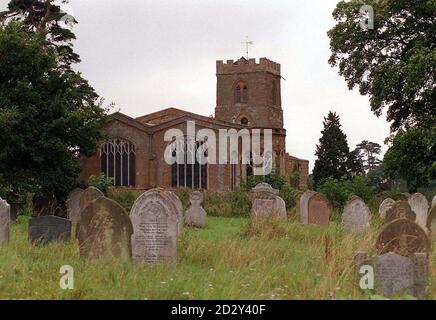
(101, 182)
(125, 197)
(288, 194)
(232, 204)
(274, 180)
(339, 191)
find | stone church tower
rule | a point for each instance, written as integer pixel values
(248, 93)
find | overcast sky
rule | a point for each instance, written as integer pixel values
(148, 55)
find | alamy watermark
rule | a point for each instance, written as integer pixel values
(203, 147)
(367, 17)
(67, 279)
(367, 280)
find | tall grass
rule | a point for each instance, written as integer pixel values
(222, 261)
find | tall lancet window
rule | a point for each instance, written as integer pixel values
(241, 92)
(118, 161)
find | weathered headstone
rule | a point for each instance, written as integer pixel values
(319, 210)
(179, 206)
(304, 206)
(105, 231)
(88, 196)
(400, 209)
(155, 221)
(385, 206)
(394, 275)
(73, 205)
(431, 224)
(356, 216)
(419, 204)
(5, 221)
(46, 229)
(266, 203)
(195, 215)
(403, 237)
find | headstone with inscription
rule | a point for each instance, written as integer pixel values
(403, 237)
(319, 209)
(419, 204)
(356, 216)
(105, 231)
(396, 275)
(73, 205)
(400, 209)
(5, 221)
(304, 206)
(266, 203)
(46, 229)
(155, 222)
(195, 215)
(385, 206)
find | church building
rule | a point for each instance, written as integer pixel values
(248, 97)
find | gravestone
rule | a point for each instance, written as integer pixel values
(196, 216)
(431, 224)
(400, 209)
(46, 229)
(266, 203)
(179, 207)
(433, 202)
(5, 221)
(304, 206)
(419, 204)
(155, 227)
(385, 206)
(356, 216)
(105, 231)
(73, 205)
(394, 275)
(319, 210)
(297, 197)
(403, 237)
(88, 196)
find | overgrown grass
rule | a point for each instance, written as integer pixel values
(221, 261)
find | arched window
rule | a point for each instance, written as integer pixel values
(241, 92)
(190, 173)
(238, 94)
(244, 121)
(118, 161)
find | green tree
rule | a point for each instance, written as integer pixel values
(332, 151)
(412, 156)
(368, 153)
(46, 16)
(394, 63)
(49, 117)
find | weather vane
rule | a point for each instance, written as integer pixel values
(247, 44)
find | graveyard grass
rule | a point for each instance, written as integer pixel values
(227, 260)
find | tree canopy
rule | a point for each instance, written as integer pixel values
(334, 159)
(46, 16)
(49, 117)
(394, 63)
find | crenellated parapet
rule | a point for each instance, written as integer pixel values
(243, 65)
